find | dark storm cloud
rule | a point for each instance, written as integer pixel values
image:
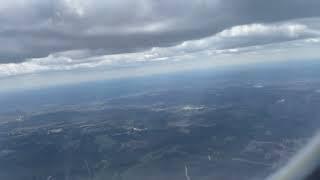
(37, 28)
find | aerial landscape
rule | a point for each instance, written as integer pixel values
(159, 90)
(199, 125)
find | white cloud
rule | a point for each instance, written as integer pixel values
(76, 7)
(12, 69)
(227, 42)
(313, 40)
(35, 74)
(286, 30)
(37, 28)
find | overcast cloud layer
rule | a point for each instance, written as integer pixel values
(43, 36)
(37, 28)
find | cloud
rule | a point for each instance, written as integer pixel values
(37, 28)
(234, 40)
(252, 34)
(287, 30)
(46, 42)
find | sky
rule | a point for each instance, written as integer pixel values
(53, 42)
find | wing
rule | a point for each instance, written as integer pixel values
(304, 166)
